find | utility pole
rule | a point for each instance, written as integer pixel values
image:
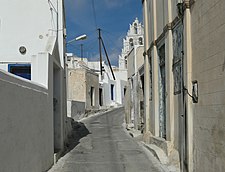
(81, 51)
(101, 43)
(100, 49)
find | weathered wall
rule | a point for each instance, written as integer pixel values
(26, 126)
(131, 63)
(76, 85)
(75, 109)
(92, 80)
(80, 82)
(139, 57)
(160, 16)
(134, 61)
(208, 38)
(150, 21)
(164, 111)
(130, 104)
(127, 105)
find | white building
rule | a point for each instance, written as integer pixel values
(134, 97)
(131, 60)
(111, 92)
(33, 109)
(134, 37)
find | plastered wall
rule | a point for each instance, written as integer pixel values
(208, 38)
(26, 126)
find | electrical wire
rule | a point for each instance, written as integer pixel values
(112, 43)
(94, 14)
(109, 41)
(52, 6)
(53, 24)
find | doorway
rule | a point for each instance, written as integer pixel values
(92, 96)
(162, 92)
(57, 109)
(100, 97)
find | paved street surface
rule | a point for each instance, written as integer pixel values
(102, 145)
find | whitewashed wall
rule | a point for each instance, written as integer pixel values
(107, 80)
(26, 126)
(26, 26)
(39, 27)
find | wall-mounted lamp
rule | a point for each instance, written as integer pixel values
(82, 37)
(195, 91)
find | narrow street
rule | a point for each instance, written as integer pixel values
(104, 146)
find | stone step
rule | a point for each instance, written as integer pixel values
(157, 152)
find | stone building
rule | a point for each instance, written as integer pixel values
(33, 106)
(134, 97)
(184, 81)
(82, 87)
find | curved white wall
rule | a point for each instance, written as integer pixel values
(26, 126)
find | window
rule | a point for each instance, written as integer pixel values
(131, 83)
(100, 97)
(177, 55)
(92, 96)
(126, 63)
(151, 77)
(140, 41)
(131, 42)
(124, 91)
(112, 92)
(22, 70)
(135, 28)
(142, 83)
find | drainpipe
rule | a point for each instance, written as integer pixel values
(182, 134)
(186, 121)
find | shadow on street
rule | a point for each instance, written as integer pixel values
(79, 131)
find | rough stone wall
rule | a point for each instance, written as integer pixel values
(208, 40)
(76, 85)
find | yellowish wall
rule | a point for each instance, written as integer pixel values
(208, 35)
(76, 85)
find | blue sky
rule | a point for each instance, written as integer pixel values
(112, 16)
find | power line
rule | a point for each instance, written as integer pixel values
(94, 13)
(52, 6)
(113, 43)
